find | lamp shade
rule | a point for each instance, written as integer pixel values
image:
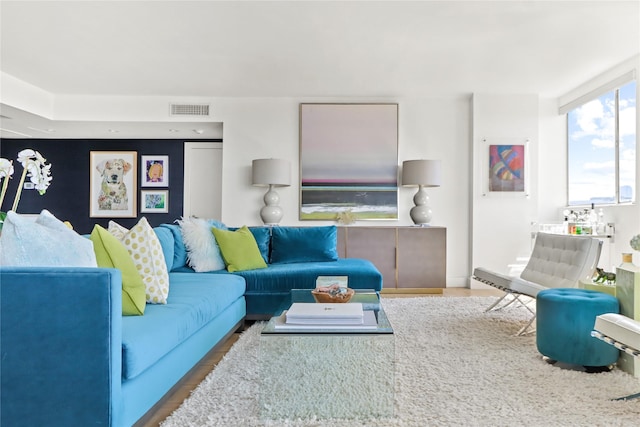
(421, 172)
(276, 172)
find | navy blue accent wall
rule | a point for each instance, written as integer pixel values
(68, 196)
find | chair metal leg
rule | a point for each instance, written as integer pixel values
(631, 396)
(526, 304)
(515, 298)
(525, 329)
(622, 347)
(492, 306)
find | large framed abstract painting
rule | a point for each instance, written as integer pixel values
(507, 167)
(348, 161)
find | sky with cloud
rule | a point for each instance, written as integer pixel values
(592, 146)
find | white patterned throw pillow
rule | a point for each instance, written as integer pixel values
(145, 250)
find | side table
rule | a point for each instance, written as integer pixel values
(628, 293)
(600, 287)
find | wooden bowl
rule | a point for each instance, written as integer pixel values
(324, 297)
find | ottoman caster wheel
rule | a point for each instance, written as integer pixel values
(549, 360)
(597, 369)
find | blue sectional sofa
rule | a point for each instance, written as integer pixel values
(69, 357)
(290, 265)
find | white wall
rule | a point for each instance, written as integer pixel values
(501, 221)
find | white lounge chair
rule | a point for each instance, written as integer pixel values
(557, 261)
(621, 332)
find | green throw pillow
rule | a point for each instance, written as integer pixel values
(111, 253)
(239, 249)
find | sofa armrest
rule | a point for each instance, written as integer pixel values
(60, 346)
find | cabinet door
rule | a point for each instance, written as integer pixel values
(422, 257)
(341, 245)
(378, 245)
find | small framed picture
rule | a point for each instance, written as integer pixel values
(155, 171)
(154, 201)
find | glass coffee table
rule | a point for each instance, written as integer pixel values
(323, 373)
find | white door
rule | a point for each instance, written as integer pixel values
(203, 179)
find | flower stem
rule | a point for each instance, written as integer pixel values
(5, 185)
(19, 190)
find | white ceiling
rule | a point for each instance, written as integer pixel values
(314, 49)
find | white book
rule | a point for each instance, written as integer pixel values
(369, 323)
(335, 313)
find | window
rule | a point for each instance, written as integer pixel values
(601, 136)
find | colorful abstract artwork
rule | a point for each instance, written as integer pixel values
(348, 161)
(507, 167)
(155, 171)
(155, 201)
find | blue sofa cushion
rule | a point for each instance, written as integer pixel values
(179, 249)
(268, 289)
(194, 300)
(165, 236)
(362, 274)
(304, 244)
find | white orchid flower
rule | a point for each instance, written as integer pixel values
(39, 158)
(34, 165)
(43, 179)
(25, 156)
(6, 168)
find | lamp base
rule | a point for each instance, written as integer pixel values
(271, 213)
(421, 213)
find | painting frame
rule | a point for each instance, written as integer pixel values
(506, 166)
(348, 161)
(115, 195)
(154, 171)
(147, 205)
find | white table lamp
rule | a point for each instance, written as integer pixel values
(421, 173)
(271, 173)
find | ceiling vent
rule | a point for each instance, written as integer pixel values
(189, 110)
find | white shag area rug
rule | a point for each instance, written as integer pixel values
(455, 366)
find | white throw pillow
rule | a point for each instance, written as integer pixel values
(45, 242)
(203, 253)
(145, 250)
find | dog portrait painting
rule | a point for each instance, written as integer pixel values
(113, 184)
(113, 190)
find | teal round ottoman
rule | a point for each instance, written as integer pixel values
(564, 321)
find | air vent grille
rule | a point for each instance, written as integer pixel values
(189, 109)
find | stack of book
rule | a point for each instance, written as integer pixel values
(326, 316)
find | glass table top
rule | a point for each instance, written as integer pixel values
(369, 299)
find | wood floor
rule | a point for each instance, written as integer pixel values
(172, 401)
